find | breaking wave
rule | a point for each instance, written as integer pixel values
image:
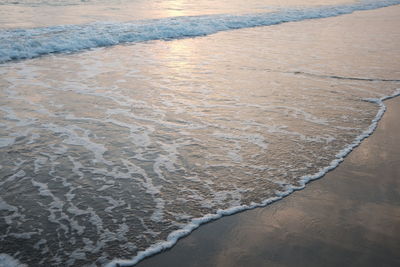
(17, 44)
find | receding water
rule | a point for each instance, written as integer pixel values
(104, 153)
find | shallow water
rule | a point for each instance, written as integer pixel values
(106, 152)
(39, 13)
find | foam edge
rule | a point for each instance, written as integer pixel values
(173, 237)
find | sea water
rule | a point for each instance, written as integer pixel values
(126, 124)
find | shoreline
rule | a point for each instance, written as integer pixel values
(191, 229)
(198, 249)
(174, 237)
(172, 144)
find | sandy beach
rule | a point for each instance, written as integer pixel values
(350, 217)
(133, 123)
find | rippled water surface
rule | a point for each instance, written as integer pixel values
(37, 13)
(106, 152)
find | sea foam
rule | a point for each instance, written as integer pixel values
(196, 222)
(17, 44)
(8, 261)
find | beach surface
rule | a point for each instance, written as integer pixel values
(350, 217)
(119, 151)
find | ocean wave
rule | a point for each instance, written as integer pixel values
(18, 44)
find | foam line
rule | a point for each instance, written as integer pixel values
(17, 44)
(195, 223)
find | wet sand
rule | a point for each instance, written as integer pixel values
(350, 217)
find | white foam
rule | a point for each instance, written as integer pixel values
(113, 203)
(26, 235)
(8, 261)
(196, 222)
(74, 138)
(5, 206)
(29, 43)
(158, 213)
